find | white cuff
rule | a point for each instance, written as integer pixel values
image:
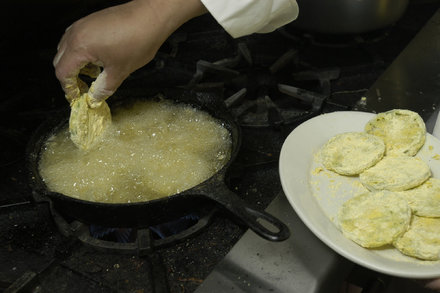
(244, 17)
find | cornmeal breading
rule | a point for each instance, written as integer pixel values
(352, 152)
(403, 131)
(403, 205)
(422, 240)
(396, 174)
(374, 219)
(424, 200)
(86, 124)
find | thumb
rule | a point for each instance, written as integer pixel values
(104, 86)
(433, 284)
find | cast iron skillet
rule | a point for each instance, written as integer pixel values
(144, 214)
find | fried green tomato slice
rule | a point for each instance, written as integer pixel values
(374, 219)
(87, 124)
(403, 131)
(351, 153)
(422, 240)
(396, 174)
(424, 199)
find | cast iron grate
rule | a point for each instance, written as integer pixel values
(262, 94)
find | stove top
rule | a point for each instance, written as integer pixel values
(270, 83)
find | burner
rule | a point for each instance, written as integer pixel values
(26, 218)
(260, 94)
(136, 241)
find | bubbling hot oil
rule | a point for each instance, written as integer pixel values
(153, 149)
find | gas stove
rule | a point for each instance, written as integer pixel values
(270, 83)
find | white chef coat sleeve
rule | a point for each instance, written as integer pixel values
(244, 17)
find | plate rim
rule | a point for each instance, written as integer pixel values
(320, 235)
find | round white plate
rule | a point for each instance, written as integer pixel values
(316, 193)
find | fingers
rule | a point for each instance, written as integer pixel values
(433, 284)
(70, 62)
(58, 56)
(91, 70)
(120, 39)
(67, 67)
(104, 86)
(61, 47)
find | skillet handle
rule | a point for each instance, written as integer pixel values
(221, 194)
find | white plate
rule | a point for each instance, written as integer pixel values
(316, 194)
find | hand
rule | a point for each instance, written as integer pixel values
(119, 39)
(433, 284)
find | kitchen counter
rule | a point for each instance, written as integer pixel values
(257, 265)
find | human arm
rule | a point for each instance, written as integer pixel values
(119, 39)
(124, 38)
(244, 17)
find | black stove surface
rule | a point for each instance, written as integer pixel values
(271, 83)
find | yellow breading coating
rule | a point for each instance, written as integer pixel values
(86, 124)
(422, 240)
(424, 200)
(396, 174)
(374, 219)
(403, 131)
(351, 153)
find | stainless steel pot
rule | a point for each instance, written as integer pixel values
(347, 16)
